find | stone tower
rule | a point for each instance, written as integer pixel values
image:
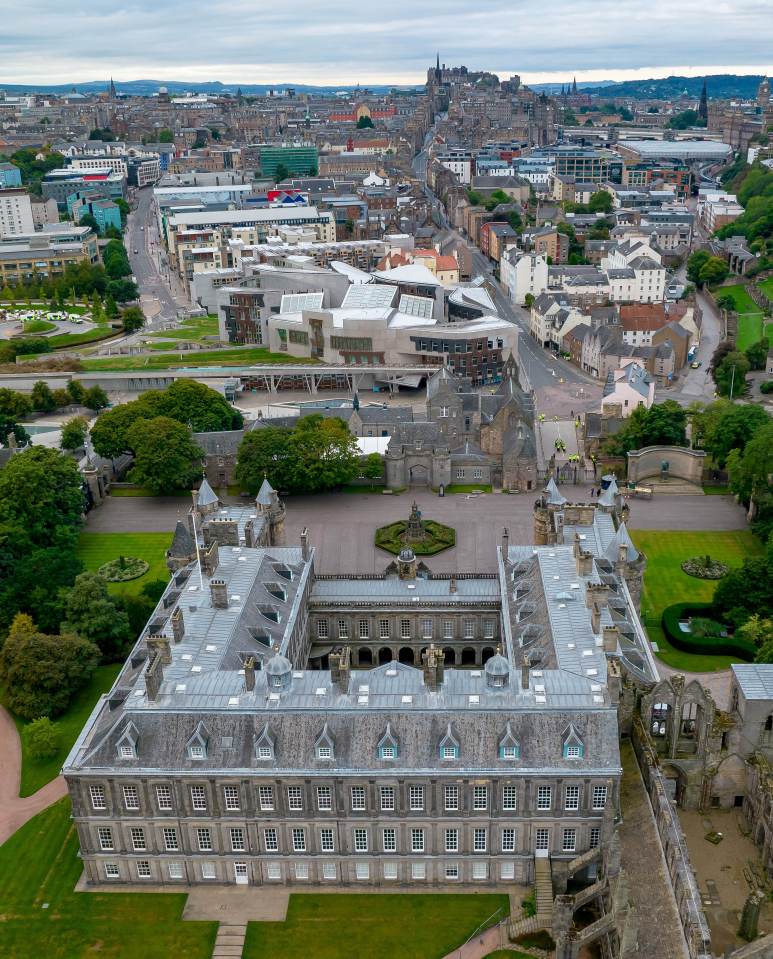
(268, 503)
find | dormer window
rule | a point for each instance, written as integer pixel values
(573, 746)
(387, 745)
(509, 747)
(126, 747)
(197, 744)
(264, 745)
(126, 751)
(508, 752)
(197, 752)
(449, 745)
(324, 747)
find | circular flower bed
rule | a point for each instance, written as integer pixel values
(438, 537)
(122, 569)
(704, 567)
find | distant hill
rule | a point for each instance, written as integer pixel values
(146, 88)
(721, 86)
(583, 86)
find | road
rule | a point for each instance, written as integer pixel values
(161, 293)
(542, 369)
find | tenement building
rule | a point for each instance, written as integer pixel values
(277, 726)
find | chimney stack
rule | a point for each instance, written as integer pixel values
(595, 617)
(178, 625)
(210, 557)
(525, 667)
(611, 634)
(249, 674)
(158, 644)
(452, 585)
(154, 676)
(505, 543)
(219, 593)
(340, 669)
(305, 544)
(433, 660)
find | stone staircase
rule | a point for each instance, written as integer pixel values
(230, 940)
(673, 487)
(543, 890)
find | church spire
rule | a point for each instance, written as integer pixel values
(574, 86)
(112, 89)
(703, 106)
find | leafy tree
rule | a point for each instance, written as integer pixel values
(528, 301)
(40, 492)
(323, 454)
(95, 398)
(133, 319)
(372, 468)
(724, 426)
(663, 424)
(8, 426)
(123, 207)
(111, 309)
(91, 613)
(122, 290)
(165, 456)
(116, 260)
(364, 122)
(746, 590)
(685, 120)
(76, 391)
(165, 135)
(282, 173)
(61, 398)
(88, 220)
(14, 404)
(600, 202)
(42, 398)
(206, 410)
(695, 264)
(264, 453)
(40, 672)
(750, 470)
(41, 739)
(713, 271)
(74, 433)
(757, 354)
(730, 375)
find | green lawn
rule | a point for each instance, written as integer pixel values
(743, 302)
(665, 583)
(767, 287)
(38, 326)
(750, 330)
(468, 488)
(196, 328)
(379, 927)
(94, 549)
(36, 773)
(66, 340)
(717, 490)
(143, 491)
(43, 917)
(245, 356)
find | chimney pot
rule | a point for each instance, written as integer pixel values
(219, 593)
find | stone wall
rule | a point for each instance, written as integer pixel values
(683, 882)
(682, 462)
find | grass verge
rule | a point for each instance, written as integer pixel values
(36, 773)
(39, 867)
(468, 488)
(665, 583)
(717, 491)
(193, 359)
(380, 927)
(96, 549)
(66, 340)
(120, 491)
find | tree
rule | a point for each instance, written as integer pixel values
(372, 467)
(76, 391)
(133, 319)
(88, 220)
(165, 456)
(746, 590)
(40, 492)
(757, 354)
(528, 301)
(42, 398)
(725, 426)
(713, 271)
(165, 135)
(95, 398)
(61, 398)
(8, 426)
(204, 409)
(730, 375)
(600, 202)
(364, 122)
(663, 424)
(74, 433)
(41, 739)
(40, 672)
(750, 470)
(695, 264)
(91, 613)
(263, 453)
(282, 173)
(323, 454)
(111, 309)
(685, 120)
(14, 404)
(123, 207)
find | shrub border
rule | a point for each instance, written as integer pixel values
(706, 645)
(425, 548)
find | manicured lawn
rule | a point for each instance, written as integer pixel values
(196, 328)
(377, 927)
(143, 491)
(665, 583)
(743, 302)
(767, 287)
(749, 331)
(101, 332)
(190, 360)
(39, 867)
(38, 326)
(94, 549)
(468, 488)
(36, 773)
(717, 490)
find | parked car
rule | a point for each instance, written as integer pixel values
(696, 365)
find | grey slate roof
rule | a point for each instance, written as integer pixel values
(264, 493)
(555, 496)
(182, 541)
(207, 495)
(621, 538)
(754, 679)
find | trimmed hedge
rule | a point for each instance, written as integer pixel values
(439, 537)
(705, 645)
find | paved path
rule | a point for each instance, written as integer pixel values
(649, 889)
(14, 812)
(341, 526)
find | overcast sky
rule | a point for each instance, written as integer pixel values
(349, 41)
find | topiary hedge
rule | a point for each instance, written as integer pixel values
(439, 537)
(704, 645)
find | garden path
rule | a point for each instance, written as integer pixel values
(15, 811)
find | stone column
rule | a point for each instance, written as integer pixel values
(750, 917)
